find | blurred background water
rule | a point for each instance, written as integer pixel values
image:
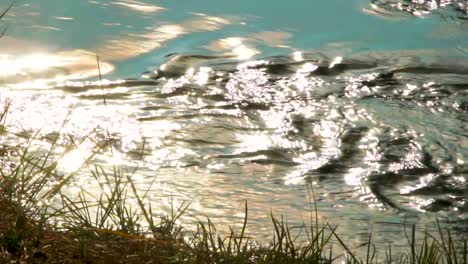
(217, 102)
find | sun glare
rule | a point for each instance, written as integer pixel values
(73, 160)
(39, 70)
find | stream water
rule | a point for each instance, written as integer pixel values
(217, 102)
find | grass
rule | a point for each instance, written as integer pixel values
(41, 224)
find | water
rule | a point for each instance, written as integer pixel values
(226, 101)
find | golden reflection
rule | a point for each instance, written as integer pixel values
(234, 46)
(274, 38)
(136, 44)
(138, 6)
(14, 46)
(132, 46)
(206, 23)
(243, 48)
(38, 70)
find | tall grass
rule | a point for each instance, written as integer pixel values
(2, 15)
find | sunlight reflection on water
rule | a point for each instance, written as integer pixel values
(221, 120)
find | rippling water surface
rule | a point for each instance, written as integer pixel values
(226, 101)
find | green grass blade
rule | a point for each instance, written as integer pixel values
(8, 9)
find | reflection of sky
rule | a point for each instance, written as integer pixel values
(126, 29)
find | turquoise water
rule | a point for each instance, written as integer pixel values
(270, 28)
(218, 102)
